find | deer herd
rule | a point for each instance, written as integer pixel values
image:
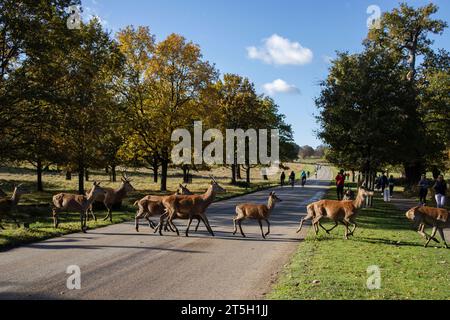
(184, 205)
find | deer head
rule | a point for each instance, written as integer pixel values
(216, 188)
(96, 189)
(274, 198)
(183, 190)
(126, 183)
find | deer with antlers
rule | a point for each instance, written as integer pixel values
(152, 206)
(9, 205)
(337, 211)
(436, 218)
(190, 207)
(77, 203)
(112, 197)
(256, 212)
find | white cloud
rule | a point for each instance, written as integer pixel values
(281, 51)
(280, 86)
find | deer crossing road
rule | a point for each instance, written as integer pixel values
(118, 263)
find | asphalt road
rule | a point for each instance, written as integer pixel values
(118, 263)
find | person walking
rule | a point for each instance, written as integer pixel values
(292, 179)
(423, 190)
(283, 178)
(304, 176)
(391, 185)
(384, 182)
(340, 184)
(440, 189)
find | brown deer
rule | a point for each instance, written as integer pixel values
(79, 203)
(337, 211)
(436, 218)
(112, 197)
(151, 206)
(8, 206)
(190, 207)
(256, 212)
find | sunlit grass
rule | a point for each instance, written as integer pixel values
(385, 239)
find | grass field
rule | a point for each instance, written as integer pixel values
(35, 208)
(330, 267)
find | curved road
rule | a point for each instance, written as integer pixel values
(118, 263)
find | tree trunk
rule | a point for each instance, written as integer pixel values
(40, 186)
(86, 174)
(238, 172)
(155, 172)
(113, 173)
(68, 175)
(233, 174)
(413, 173)
(81, 179)
(164, 169)
(247, 173)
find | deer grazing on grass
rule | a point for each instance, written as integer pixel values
(256, 212)
(112, 197)
(9, 205)
(152, 206)
(436, 218)
(337, 211)
(79, 203)
(190, 208)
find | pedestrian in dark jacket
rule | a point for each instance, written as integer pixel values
(384, 182)
(282, 178)
(391, 185)
(423, 190)
(440, 189)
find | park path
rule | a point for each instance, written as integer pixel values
(118, 263)
(405, 204)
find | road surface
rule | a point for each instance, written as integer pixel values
(118, 263)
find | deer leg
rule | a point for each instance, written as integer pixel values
(206, 222)
(441, 233)
(350, 221)
(235, 227)
(189, 226)
(161, 223)
(93, 214)
(55, 218)
(171, 218)
(198, 224)
(328, 231)
(240, 228)
(316, 223)
(268, 226)
(82, 215)
(151, 224)
(346, 229)
(136, 220)
(433, 235)
(422, 232)
(261, 227)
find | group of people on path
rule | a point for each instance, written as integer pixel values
(304, 175)
(440, 190)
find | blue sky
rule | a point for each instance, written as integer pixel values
(292, 40)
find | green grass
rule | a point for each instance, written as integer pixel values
(385, 239)
(35, 208)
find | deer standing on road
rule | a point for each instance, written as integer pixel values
(190, 207)
(112, 197)
(337, 211)
(152, 206)
(79, 203)
(436, 218)
(8, 206)
(256, 212)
